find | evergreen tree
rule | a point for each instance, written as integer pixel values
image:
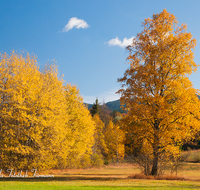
(95, 108)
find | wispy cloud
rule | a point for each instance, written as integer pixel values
(104, 97)
(117, 42)
(75, 22)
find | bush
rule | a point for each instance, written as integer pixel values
(85, 161)
(159, 177)
(97, 160)
(106, 162)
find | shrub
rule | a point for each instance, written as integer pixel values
(97, 160)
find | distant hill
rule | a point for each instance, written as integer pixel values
(88, 105)
(113, 105)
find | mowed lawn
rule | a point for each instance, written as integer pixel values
(106, 178)
(92, 184)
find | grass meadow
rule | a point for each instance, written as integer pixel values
(106, 178)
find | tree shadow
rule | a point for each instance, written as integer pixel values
(70, 177)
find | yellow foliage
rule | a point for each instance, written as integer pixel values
(162, 104)
(99, 146)
(114, 139)
(80, 129)
(43, 123)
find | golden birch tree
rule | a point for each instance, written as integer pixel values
(32, 116)
(114, 139)
(50, 112)
(43, 123)
(19, 79)
(99, 147)
(80, 129)
(163, 108)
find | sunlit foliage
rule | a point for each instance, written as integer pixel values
(42, 121)
(114, 139)
(80, 128)
(163, 108)
(99, 147)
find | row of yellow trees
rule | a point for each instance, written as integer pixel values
(43, 122)
(109, 141)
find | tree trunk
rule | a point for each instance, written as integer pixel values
(154, 170)
(117, 151)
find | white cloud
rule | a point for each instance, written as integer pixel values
(117, 42)
(75, 22)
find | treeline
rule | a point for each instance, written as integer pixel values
(112, 106)
(109, 137)
(44, 122)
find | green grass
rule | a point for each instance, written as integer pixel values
(104, 185)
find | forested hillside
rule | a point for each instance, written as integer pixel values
(112, 105)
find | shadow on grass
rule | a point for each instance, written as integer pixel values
(63, 178)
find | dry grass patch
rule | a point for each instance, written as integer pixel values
(160, 177)
(121, 170)
(191, 156)
(186, 171)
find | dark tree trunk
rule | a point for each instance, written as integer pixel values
(154, 170)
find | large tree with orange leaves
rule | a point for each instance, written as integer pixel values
(163, 108)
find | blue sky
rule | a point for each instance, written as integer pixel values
(87, 37)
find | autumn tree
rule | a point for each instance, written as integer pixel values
(99, 146)
(114, 139)
(52, 118)
(80, 130)
(162, 105)
(102, 110)
(16, 110)
(31, 113)
(104, 114)
(43, 123)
